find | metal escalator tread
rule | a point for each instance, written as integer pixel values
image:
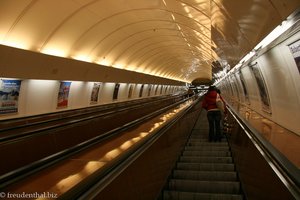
(205, 170)
(205, 166)
(227, 187)
(177, 195)
(205, 175)
(205, 159)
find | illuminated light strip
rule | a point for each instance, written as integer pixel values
(54, 52)
(164, 2)
(15, 44)
(279, 30)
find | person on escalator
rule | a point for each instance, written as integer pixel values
(211, 103)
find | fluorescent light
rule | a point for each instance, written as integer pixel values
(280, 29)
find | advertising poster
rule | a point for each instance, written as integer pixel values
(130, 91)
(233, 83)
(149, 90)
(116, 91)
(156, 89)
(166, 89)
(295, 49)
(63, 94)
(141, 91)
(161, 89)
(262, 88)
(9, 96)
(95, 93)
(243, 84)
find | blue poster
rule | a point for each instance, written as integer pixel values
(9, 95)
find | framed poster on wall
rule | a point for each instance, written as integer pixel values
(263, 91)
(156, 89)
(295, 49)
(141, 91)
(130, 91)
(233, 84)
(166, 89)
(63, 94)
(9, 95)
(241, 79)
(116, 91)
(161, 89)
(149, 90)
(95, 93)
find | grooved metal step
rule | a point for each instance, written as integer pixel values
(223, 187)
(205, 159)
(206, 143)
(205, 166)
(207, 148)
(207, 153)
(205, 175)
(178, 195)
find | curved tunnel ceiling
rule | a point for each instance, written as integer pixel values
(174, 39)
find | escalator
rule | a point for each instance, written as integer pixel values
(204, 170)
(176, 161)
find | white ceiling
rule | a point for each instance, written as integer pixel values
(175, 39)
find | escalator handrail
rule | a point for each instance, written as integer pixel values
(31, 133)
(288, 173)
(72, 113)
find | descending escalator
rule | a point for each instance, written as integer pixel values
(204, 170)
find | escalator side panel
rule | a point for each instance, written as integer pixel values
(259, 181)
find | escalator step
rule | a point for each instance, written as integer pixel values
(202, 139)
(218, 187)
(198, 136)
(205, 175)
(205, 170)
(206, 143)
(207, 148)
(204, 159)
(176, 195)
(207, 153)
(197, 140)
(205, 166)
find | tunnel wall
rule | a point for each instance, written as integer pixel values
(41, 75)
(41, 96)
(269, 83)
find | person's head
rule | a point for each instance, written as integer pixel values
(211, 88)
(218, 91)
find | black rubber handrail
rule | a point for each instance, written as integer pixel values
(288, 173)
(80, 118)
(71, 113)
(78, 109)
(25, 171)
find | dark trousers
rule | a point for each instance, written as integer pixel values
(214, 118)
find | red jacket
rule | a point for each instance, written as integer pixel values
(209, 101)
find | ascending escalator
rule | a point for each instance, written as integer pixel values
(205, 170)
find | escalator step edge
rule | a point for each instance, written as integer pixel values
(176, 195)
